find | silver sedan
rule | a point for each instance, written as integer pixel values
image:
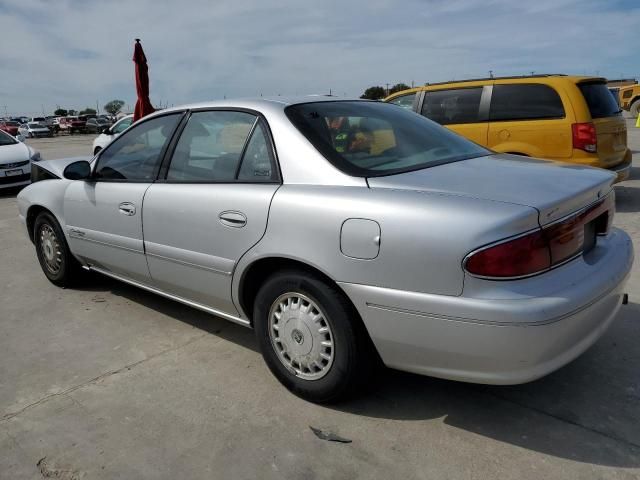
(347, 234)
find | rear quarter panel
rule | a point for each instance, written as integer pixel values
(424, 236)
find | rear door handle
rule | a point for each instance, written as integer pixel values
(127, 208)
(233, 219)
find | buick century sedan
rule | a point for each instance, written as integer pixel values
(344, 233)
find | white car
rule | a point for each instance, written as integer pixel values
(116, 129)
(34, 129)
(15, 161)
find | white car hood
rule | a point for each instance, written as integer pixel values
(14, 153)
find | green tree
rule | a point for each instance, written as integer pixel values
(398, 87)
(373, 93)
(88, 111)
(114, 106)
(61, 112)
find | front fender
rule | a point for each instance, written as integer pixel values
(47, 194)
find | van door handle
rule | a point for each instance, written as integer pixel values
(233, 219)
(127, 208)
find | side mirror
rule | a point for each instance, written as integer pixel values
(20, 138)
(80, 170)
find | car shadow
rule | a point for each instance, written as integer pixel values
(10, 191)
(627, 196)
(574, 413)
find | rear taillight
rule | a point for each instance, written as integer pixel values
(544, 248)
(585, 137)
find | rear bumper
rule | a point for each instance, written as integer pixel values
(623, 170)
(499, 340)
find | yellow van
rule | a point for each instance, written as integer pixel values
(629, 98)
(559, 117)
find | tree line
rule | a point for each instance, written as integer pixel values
(113, 107)
(378, 93)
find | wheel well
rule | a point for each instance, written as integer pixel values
(32, 214)
(260, 270)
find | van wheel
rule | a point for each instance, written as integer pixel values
(635, 108)
(311, 337)
(56, 260)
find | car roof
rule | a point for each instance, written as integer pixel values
(551, 79)
(260, 104)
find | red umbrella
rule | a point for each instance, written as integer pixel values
(143, 104)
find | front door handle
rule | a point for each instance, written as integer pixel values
(233, 219)
(127, 208)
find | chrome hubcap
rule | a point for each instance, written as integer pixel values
(301, 336)
(50, 247)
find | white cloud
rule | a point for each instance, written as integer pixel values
(75, 52)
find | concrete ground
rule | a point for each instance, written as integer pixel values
(107, 381)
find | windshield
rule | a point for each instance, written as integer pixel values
(6, 139)
(370, 139)
(35, 125)
(599, 100)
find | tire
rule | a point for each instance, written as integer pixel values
(634, 109)
(56, 260)
(348, 362)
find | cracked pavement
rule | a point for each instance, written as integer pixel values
(107, 381)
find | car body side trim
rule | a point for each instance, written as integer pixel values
(87, 236)
(439, 316)
(190, 258)
(199, 306)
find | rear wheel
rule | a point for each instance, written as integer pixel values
(635, 108)
(56, 260)
(311, 337)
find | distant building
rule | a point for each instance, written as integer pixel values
(621, 82)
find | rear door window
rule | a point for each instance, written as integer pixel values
(456, 106)
(405, 101)
(599, 100)
(525, 102)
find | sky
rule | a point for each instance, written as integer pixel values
(74, 53)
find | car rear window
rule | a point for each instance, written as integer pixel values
(369, 139)
(599, 100)
(525, 102)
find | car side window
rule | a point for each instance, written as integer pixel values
(405, 101)
(122, 125)
(210, 147)
(136, 155)
(447, 107)
(525, 102)
(258, 164)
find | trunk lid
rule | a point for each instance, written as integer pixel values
(555, 189)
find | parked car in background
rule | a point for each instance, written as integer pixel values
(10, 127)
(15, 161)
(34, 129)
(42, 120)
(53, 123)
(116, 129)
(344, 232)
(567, 118)
(630, 99)
(97, 125)
(77, 124)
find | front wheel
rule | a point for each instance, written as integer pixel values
(311, 337)
(56, 260)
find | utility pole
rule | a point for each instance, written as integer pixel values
(5, 110)
(387, 90)
(97, 108)
(490, 73)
